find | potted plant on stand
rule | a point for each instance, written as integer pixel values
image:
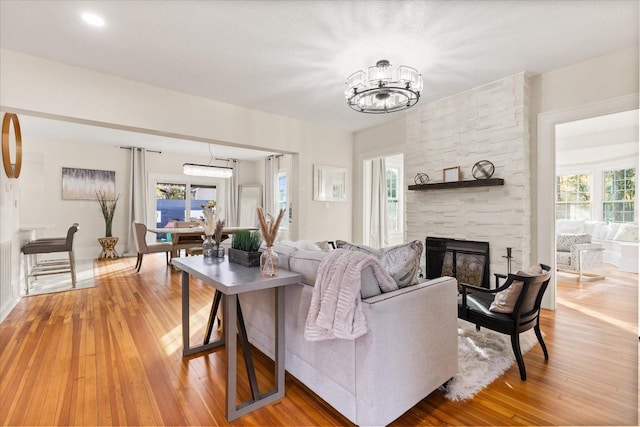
(107, 205)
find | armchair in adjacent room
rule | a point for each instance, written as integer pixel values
(575, 253)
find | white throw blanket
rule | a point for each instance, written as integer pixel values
(336, 307)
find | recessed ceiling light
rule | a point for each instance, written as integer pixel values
(93, 19)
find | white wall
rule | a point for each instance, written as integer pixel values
(35, 86)
(602, 85)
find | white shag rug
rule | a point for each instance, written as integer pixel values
(52, 283)
(482, 357)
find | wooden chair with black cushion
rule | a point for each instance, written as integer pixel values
(34, 267)
(509, 309)
(140, 240)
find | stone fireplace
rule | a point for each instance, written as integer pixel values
(466, 260)
(489, 122)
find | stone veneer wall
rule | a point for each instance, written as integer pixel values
(490, 122)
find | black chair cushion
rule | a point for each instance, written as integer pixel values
(479, 303)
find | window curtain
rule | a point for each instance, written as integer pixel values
(232, 191)
(270, 184)
(138, 193)
(378, 231)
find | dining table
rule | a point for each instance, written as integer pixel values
(184, 238)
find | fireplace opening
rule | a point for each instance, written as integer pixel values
(466, 260)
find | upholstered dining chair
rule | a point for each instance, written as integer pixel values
(140, 240)
(33, 267)
(509, 309)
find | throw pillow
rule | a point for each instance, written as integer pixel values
(505, 300)
(613, 230)
(402, 262)
(341, 244)
(324, 246)
(600, 231)
(627, 233)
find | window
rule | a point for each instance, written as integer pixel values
(282, 199)
(172, 203)
(573, 196)
(393, 207)
(619, 195)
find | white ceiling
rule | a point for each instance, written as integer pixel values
(291, 57)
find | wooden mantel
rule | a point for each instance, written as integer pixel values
(489, 182)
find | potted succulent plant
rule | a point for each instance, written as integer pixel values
(108, 203)
(244, 248)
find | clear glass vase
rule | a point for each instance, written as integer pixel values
(208, 247)
(269, 262)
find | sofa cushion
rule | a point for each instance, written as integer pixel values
(627, 233)
(570, 226)
(284, 251)
(306, 263)
(565, 241)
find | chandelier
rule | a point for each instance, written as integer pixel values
(207, 170)
(378, 92)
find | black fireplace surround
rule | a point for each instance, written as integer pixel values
(466, 260)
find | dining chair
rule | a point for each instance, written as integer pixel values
(140, 240)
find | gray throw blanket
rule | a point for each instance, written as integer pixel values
(336, 306)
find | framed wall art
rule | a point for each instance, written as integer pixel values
(329, 183)
(82, 184)
(451, 174)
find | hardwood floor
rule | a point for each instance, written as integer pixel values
(111, 355)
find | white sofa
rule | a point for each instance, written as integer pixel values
(620, 241)
(409, 351)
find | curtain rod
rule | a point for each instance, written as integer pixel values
(138, 148)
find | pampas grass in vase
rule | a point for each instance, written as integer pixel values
(269, 229)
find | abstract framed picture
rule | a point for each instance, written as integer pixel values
(329, 183)
(82, 184)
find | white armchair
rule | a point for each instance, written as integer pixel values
(575, 253)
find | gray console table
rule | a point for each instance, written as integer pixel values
(229, 280)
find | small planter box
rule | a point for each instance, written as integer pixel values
(248, 259)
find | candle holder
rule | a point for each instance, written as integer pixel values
(509, 258)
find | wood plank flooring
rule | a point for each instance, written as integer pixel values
(111, 355)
